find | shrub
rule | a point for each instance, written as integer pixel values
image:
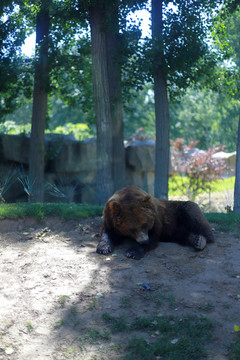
(11, 128)
(141, 135)
(79, 131)
(198, 168)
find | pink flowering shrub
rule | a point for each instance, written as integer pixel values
(197, 168)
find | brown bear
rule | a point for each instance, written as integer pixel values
(131, 213)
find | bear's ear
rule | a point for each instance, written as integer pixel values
(147, 200)
(115, 208)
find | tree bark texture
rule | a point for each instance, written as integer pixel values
(237, 175)
(40, 93)
(161, 104)
(102, 104)
(114, 77)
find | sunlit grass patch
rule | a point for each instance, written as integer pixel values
(177, 183)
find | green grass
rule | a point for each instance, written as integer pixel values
(40, 211)
(234, 349)
(93, 336)
(225, 222)
(62, 300)
(230, 219)
(175, 185)
(29, 326)
(125, 302)
(166, 337)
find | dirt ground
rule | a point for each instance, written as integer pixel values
(54, 286)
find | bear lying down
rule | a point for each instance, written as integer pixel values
(133, 214)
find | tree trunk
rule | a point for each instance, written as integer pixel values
(161, 105)
(114, 76)
(40, 92)
(237, 175)
(101, 103)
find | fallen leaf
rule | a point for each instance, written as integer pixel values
(9, 351)
(236, 328)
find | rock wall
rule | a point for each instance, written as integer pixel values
(70, 167)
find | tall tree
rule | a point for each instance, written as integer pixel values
(178, 54)
(227, 30)
(102, 103)
(106, 76)
(115, 93)
(40, 94)
(237, 174)
(161, 103)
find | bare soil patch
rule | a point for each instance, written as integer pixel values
(54, 289)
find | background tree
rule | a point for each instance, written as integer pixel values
(227, 37)
(106, 76)
(48, 61)
(102, 103)
(205, 115)
(161, 103)
(115, 93)
(107, 58)
(39, 110)
(179, 54)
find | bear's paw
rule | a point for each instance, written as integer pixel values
(105, 245)
(199, 242)
(135, 252)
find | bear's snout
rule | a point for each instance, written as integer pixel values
(142, 238)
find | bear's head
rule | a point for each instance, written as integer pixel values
(131, 217)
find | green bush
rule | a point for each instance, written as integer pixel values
(79, 131)
(11, 128)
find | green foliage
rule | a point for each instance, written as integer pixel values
(205, 115)
(94, 336)
(200, 114)
(116, 324)
(29, 326)
(234, 349)
(15, 70)
(172, 338)
(62, 300)
(6, 183)
(230, 219)
(184, 61)
(139, 112)
(40, 211)
(226, 36)
(79, 131)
